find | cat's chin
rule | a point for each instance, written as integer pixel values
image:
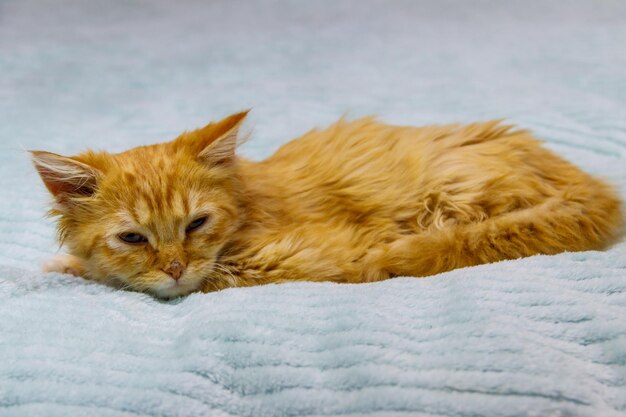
(174, 290)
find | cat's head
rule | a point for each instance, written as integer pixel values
(152, 218)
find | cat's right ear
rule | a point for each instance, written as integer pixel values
(65, 177)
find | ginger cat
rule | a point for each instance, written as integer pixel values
(358, 201)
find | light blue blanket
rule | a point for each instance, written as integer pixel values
(543, 336)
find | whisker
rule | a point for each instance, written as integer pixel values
(232, 279)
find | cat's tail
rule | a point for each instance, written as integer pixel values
(584, 219)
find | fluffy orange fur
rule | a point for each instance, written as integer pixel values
(358, 201)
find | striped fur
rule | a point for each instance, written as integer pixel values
(357, 201)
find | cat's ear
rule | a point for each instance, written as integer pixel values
(219, 140)
(65, 177)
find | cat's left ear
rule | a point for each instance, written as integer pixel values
(220, 139)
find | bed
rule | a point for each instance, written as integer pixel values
(541, 336)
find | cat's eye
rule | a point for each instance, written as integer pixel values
(196, 224)
(132, 238)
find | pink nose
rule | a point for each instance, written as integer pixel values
(175, 270)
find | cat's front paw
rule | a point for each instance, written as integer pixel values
(64, 264)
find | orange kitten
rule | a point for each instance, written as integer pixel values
(358, 201)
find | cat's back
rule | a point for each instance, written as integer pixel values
(346, 145)
(367, 166)
(366, 153)
(347, 150)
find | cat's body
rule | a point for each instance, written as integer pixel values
(359, 201)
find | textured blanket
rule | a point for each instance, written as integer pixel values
(542, 336)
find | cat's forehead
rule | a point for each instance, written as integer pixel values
(153, 208)
(158, 156)
(152, 205)
(155, 172)
(149, 184)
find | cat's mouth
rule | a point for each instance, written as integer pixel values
(174, 288)
(162, 285)
(168, 287)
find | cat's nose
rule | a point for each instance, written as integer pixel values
(175, 270)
